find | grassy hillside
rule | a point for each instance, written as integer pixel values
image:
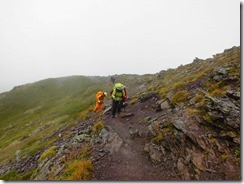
(30, 113)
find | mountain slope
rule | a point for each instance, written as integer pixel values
(41, 107)
(30, 113)
(192, 133)
(180, 124)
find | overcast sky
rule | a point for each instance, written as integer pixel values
(40, 39)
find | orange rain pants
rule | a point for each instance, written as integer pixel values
(99, 101)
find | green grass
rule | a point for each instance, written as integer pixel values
(180, 96)
(78, 165)
(97, 127)
(49, 104)
(31, 113)
(48, 153)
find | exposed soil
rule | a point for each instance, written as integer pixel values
(131, 162)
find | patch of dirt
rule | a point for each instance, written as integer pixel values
(131, 161)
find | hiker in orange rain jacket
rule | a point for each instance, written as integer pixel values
(99, 101)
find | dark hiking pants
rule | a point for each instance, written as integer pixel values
(116, 106)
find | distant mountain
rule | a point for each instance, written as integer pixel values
(179, 124)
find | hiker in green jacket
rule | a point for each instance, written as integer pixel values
(118, 95)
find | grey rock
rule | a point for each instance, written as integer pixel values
(187, 160)
(154, 151)
(223, 110)
(146, 96)
(154, 127)
(237, 140)
(111, 141)
(179, 125)
(165, 105)
(234, 94)
(180, 136)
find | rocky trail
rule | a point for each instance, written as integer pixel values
(131, 162)
(144, 144)
(157, 142)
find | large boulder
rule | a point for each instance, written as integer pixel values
(148, 95)
(223, 113)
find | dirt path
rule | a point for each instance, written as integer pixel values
(131, 161)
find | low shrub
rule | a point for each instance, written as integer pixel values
(48, 153)
(198, 98)
(78, 170)
(180, 96)
(217, 92)
(157, 139)
(193, 111)
(98, 127)
(12, 175)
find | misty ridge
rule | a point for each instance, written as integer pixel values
(50, 39)
(179, 124)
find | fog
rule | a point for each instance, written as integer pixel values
(52, 38)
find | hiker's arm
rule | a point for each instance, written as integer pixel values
(113, 94)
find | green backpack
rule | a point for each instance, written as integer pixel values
(118, 91)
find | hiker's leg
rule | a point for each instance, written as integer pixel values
(95, 108)
(113, 108)
(119, 106)
(99, 106)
